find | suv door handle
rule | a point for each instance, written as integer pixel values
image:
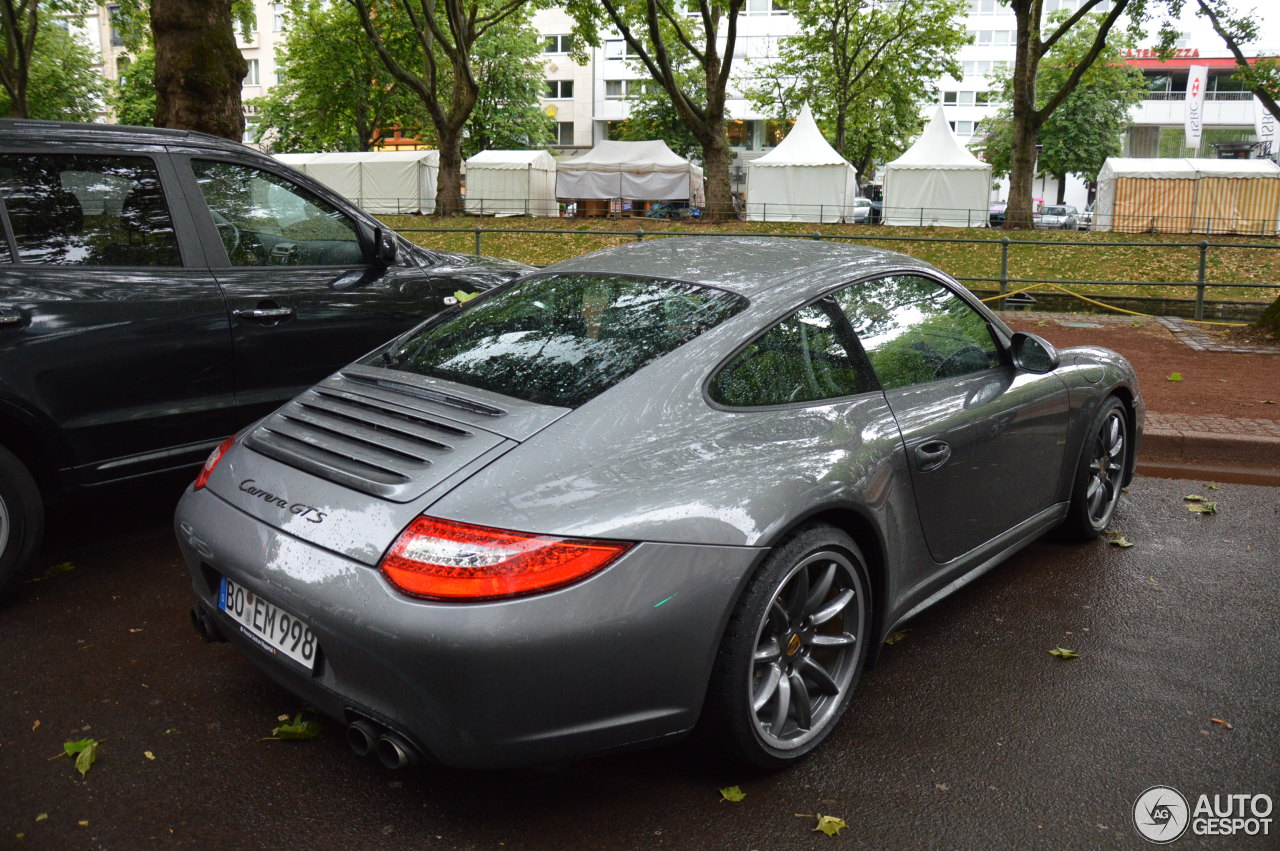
(932, 455)
(264, 313)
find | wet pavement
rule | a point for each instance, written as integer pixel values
(968, 734)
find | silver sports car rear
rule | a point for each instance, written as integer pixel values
(689, 478)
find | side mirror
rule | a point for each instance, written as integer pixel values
(1034, 354)
(384, 247)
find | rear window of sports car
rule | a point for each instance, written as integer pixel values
(562, 339)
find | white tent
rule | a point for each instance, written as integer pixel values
(378, 181)
(1176, 195)
(804, 179)
(512, 183)
(641, 171)
(937, 182)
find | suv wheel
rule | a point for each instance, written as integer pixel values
(21, 520)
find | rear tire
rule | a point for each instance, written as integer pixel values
(1100, 472)
(21, 521)
(793, 651)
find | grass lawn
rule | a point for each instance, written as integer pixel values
(1102, 257)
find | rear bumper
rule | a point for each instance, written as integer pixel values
(616, 660)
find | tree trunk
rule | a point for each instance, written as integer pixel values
(449, 179)
(199, 68)
(1269, 321)
(1026, 128)
(1062, 188)
(716, 157)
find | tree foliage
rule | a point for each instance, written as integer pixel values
(21, 25)
(509, 73)
(439, 39)
(864, 68)
(133, 98)
(334, 93)
(62, 83)
(1089, 124)
(1237, 29)
(662, 34)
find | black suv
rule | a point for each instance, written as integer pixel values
(161, 289)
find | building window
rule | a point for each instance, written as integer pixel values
(557, 44)
(739, 133)
(559, 90)
(623, 89)
(993, 38)
(766, 7)
(991, 7)
(564, 132)
(964, 128)
(251, 78)
(775, 132)
(617, 48)
(113, 11)
(983, 98)
(960, 98)
(279, 12)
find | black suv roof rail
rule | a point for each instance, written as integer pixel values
(64, 129)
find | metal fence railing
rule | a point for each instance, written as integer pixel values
(1005, 245)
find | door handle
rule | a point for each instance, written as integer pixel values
(932, 454)
(264, 313)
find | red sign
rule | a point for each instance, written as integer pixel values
(1148, 53)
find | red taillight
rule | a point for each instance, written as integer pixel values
(212, 461)
(445, 560)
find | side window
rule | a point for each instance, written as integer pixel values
(87, 210)
(266, 220)
(914, 330)
(809, 356)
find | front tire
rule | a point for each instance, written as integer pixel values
(793, 651)
(21, 521)
(1100, 472)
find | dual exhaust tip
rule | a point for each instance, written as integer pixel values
(392, 750)
(363, 736)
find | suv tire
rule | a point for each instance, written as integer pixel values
(21, 521)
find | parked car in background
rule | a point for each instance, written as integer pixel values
(160, 289)
(866, 211)
(996, 213)
(1085, 220)
(683, 480)
(1058, 217)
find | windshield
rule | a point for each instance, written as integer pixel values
(562, 339)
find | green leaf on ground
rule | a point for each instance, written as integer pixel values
(897, 636)
(55, 570)
(1203, 508)
(85, 751)
(830, 825)
(1193, 497)
(732, 793)
(298, 730)
(42, 817)
(1064, 653)
(463, 297)
(1120, 541)
(1175, 376)
(1211, 486)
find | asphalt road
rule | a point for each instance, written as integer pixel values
(968, 734)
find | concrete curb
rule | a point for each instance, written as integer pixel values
(1188, 454)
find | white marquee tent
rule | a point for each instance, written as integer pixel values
(639, 171)
(521, 183)
(378, 181)
(803, 179)
(937, 182)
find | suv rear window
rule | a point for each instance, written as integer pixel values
(562, 339)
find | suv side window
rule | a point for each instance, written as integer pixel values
(915, 330)
(87, 210)
(809, 356)
(265, 220)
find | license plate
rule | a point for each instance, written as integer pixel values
(271, 627)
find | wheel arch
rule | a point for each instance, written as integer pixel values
(25, 438)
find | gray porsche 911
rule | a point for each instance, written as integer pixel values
(685, 480)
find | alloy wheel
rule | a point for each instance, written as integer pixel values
(1106, 469)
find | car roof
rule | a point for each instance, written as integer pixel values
(22, 129)
(747, 265)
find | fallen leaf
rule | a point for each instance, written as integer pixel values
(1267, 401)
(282, 717)
(148, 754)
(35, 726)
(85, 751)
(132, 629)
(173, 730)
(42, 817)
(830, 825)
(1193, 497)
(897, 636)
(53, 571)
(1175, 376)
(83, 822)
(1211, 486)
(732, 793)
(1120, 541)
(297, 731)
(1203, 508)
(1222, 723)
(1064, 653)
(464, 297)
